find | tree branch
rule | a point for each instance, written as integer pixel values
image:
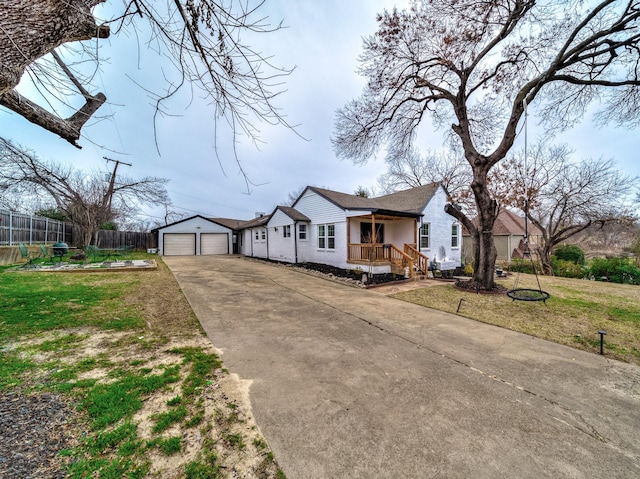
(68, 129)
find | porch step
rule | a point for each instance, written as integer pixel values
(396, 268)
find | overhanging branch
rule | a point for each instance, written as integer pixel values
(68, 129)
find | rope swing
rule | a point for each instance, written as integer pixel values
(527, 294)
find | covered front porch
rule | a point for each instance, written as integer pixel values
(386, 239)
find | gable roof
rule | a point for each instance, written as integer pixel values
(292, 213)
(411, 201)
(229, 222)
(256, 222)
(509, 223)
(211, 220)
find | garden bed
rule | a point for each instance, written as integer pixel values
(352, 274)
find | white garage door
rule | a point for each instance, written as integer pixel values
(214, 243)
(179, 244)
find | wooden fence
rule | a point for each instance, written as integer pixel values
(138, 241)
(18, 228)
(29, 229)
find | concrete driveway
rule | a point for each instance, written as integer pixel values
(349, 383)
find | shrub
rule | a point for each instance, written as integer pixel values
(617, 270)
(570, 252)
(468, 269)
(523, 266)
(567, 269)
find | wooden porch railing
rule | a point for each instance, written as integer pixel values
(420, 260)
(379, 254)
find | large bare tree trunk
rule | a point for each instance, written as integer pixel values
(32, 28)
(483, 275)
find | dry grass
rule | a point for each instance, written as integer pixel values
(573, 315)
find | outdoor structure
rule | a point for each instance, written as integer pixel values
(404, 232)
(508, 234)
(197, 236)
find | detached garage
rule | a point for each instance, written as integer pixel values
(195, 236)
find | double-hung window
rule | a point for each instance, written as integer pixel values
(424, 236)
(455, 235)
(327, 236)
(302, 232)
(264, 234)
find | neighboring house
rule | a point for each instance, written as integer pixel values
(392, 233)
(197, 236)
(508, 235)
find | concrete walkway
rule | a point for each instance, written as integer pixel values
(349, 383)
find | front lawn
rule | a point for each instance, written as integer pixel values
(122, 358)
(573, 315)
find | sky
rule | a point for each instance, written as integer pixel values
(322, 40)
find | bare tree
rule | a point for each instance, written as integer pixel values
(411, 169)
(476, 65)
(562, 197)
(203, 39)
(362, 192)
(87, 201)
(293, 196)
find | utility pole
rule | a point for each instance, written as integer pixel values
(112, 181)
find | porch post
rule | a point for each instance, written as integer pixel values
(348, 238)
(374, 236)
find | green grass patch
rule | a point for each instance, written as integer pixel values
(260, 443)
(12, 368)
(200, 470)
(36, 302)
(165, 419)
(168, 446)
(117, 468)
(110, 439)
(195, 420)
(235, 440)
(108, 403)
(202, 367)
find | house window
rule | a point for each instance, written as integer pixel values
(455, 235)
(327, 236)
(424, 236)
(302, 232)
(264, 234)
(257, 235)
(366, 235)
(286, 231)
